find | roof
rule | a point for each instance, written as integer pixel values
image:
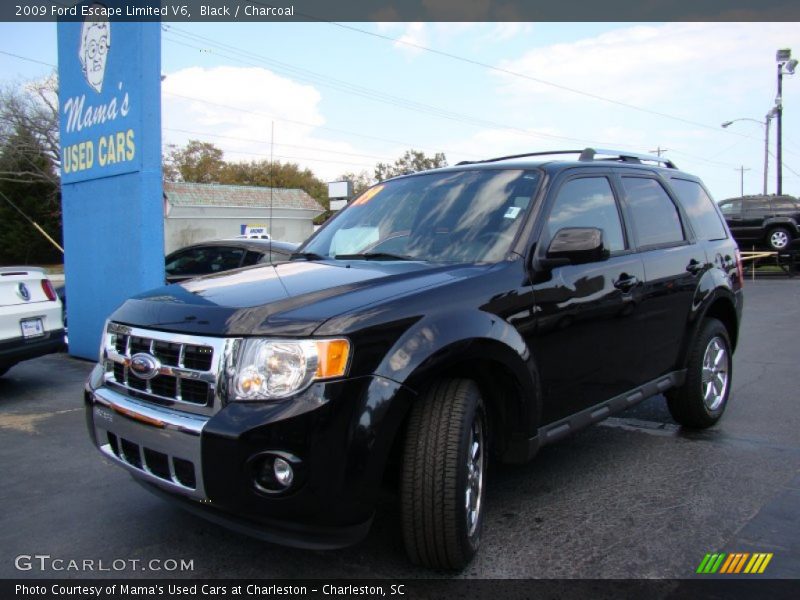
(552, 161)
(210, 194)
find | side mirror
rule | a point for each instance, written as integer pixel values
(575, 246)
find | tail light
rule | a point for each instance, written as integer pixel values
(739, 267)
(48, 290)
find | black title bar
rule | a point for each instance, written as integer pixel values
(402, 10)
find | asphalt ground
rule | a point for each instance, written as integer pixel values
(632, 497)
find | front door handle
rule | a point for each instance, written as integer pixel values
(626, 282)
(694, 266)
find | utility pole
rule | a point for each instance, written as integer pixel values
(779, 106)
(786, 64)
(659, 151)
(741, 170)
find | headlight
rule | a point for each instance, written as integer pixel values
(273, 369)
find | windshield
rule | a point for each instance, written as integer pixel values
(455, 216)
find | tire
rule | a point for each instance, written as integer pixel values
(702, 399)
(779, 238)
(440, 478)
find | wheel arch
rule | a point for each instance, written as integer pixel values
(720, 304)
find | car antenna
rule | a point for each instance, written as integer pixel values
(271, 186)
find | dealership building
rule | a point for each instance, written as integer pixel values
(197, 212)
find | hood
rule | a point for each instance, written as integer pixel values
(291, 299)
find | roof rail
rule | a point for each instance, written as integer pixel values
(589, 154)
(586, 155)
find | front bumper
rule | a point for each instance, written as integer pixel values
(205, 462)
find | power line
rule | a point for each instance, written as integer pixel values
(307, 124)
(33, 60)
(364, 92)
(303, 158)
(537, 79)
(241, 139)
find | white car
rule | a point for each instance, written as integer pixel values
(30, 316)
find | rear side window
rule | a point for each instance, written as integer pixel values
(731, 207)
(655, 217)
(757, 205)
(784, 204)
(705, 221)
(588, 202)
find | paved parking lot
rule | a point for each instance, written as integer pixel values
(632, 497)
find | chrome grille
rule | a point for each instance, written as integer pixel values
(175, 470)
(188, 371)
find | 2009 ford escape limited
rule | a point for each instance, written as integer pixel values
(442, 319)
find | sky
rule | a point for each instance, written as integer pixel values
(339, 98)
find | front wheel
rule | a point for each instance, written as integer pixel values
(779, 239)
(702, 399)
(444, 475)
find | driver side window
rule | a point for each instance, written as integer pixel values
(587, 202)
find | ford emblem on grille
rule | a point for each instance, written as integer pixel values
(24, 292)
(144, 366)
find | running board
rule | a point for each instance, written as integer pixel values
(558, 430)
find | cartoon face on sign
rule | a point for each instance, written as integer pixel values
(93, 51)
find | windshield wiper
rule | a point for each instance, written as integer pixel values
(307, 256)
(374, 256)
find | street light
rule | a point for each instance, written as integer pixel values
(787, 65)
(765, 124)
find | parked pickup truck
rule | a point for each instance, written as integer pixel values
(443, 320)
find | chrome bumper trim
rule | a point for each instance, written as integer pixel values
(176, 435)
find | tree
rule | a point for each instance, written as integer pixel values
(30, 157)
(32, 188)
(203, 162)
(411, 162)
(29, 116)
(197, 162)
(360, 182)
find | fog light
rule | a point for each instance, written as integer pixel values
(276, 472)
(283, 472)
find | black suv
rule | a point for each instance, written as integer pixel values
(441, 320)
(763, 221)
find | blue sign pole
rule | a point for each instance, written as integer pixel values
(111, 181)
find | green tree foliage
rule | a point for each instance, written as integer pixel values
(203, 162)
(197, 162)
(411, 162)
(29, 160)
(30, 183)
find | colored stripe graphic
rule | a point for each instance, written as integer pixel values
(759, 562)
(727, 565)
(711, 563)
(734, 563)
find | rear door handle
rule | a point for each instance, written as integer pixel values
(694, 266)
(626, 282)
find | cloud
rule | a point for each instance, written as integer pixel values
(235, 108)
(654, 65)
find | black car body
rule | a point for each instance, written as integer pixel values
(206, 258)
(763, 221)
(598, 283)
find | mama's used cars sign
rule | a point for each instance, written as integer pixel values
(100, 98)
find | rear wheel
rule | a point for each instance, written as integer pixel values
(702, 399)
(779, 238)
(444, 475)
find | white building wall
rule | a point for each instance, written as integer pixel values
(188, 224)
